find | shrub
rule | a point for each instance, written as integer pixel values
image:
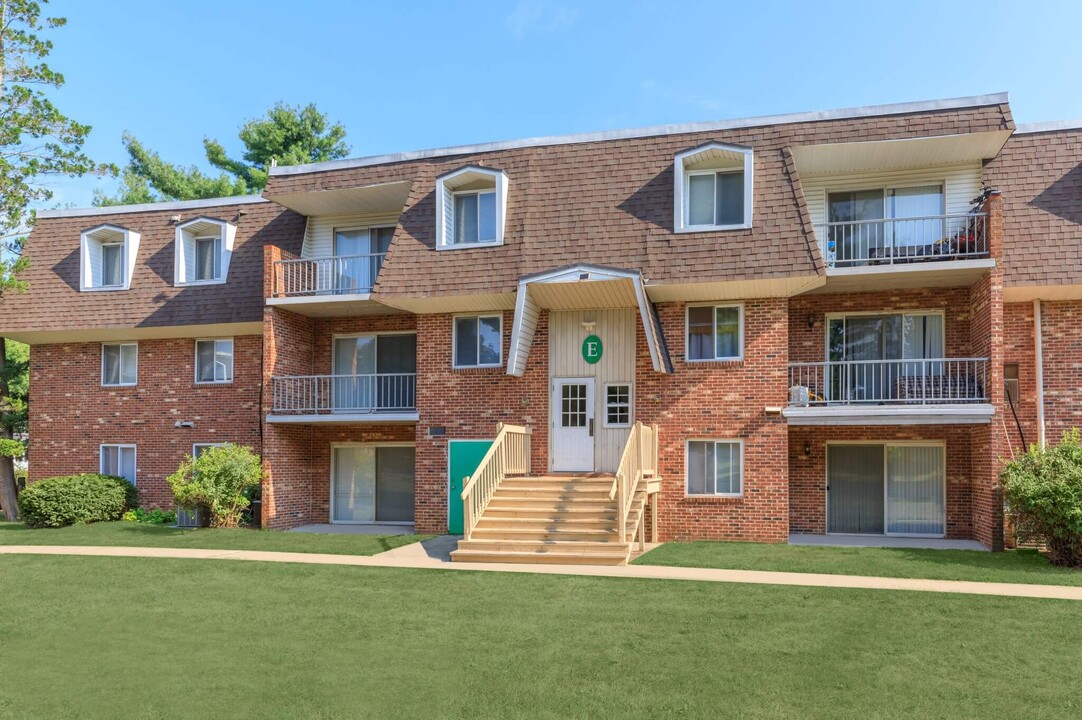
(151, 517)
(71, 499)
(220, 479)
(1043, 490)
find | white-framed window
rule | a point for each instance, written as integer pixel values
(199, 448)
(715, 332)
(713, 188)
(119, 364)
(618, 405)
(478, 341)
(214, 361)
(203, 247)
(107, 258)
(118, 461)
(470, 206)
(715, 468)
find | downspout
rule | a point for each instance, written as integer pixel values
(1038, 343)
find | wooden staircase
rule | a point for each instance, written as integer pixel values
(513, 517)
(553, 519)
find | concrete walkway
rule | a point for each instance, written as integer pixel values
(417, 556)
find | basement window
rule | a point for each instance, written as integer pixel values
(715, 467)
(118, 461)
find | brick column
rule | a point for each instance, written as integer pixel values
(986, 340)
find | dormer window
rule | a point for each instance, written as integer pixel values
(107, 258)
(203, 248)
(713, 188)
(471, 205)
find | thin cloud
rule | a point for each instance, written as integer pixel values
(539, 16)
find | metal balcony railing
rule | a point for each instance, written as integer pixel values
(889, 382)
(338, 275)
(934, 238)
(350, 394)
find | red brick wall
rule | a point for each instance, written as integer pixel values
(1061, 326)
(468, 404)
(1018, 347)
(71, 414)
(807, 473)
(724, 401)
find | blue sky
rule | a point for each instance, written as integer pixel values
(410, 75)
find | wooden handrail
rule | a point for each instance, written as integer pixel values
(638, 463)
(508, 455)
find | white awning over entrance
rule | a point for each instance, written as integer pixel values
(582, 287)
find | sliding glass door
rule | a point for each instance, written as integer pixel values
(374, 372)
(892, 489)
(885, 224)
(372, 484)
(871, 355)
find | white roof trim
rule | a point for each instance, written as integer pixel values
(147, 207)
(1048, 126)
(651, 131)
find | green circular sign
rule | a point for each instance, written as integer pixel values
(591, 349)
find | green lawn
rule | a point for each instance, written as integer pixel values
(139, 638)
(1015, 566)
(143, 535)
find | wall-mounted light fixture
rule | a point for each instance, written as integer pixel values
(811, 320)
(807, 448)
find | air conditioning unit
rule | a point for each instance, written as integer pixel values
(799, 395)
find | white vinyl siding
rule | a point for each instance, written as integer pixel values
(203, 248)
(319, 234)
(961, 184)
(214, 361)
(107, 256)
(715, 467)
(119, 364)
(118, 461)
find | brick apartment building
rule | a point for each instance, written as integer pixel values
(833, 322)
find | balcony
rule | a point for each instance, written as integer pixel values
(868, 392)
(371, 398)
(904, 241)
(327, 286)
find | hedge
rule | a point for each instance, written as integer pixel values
(72, 499)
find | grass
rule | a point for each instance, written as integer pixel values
(144, 535)
(1013, 566)
(137, 638)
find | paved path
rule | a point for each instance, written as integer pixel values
(432, 557)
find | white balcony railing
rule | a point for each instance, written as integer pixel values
(350, 394)
(338, 275)
(879, 382)
(934, 238)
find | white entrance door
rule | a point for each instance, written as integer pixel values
(572, 410)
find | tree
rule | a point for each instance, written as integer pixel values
(36, 141)
(219, 478)
(285, 135)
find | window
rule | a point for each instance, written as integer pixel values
(214, 361)
(208, 258)
(118, 461)
(478, 341)
(199, 448)
(203, 247)
(475, 217)
(471, 203)
(716, 198)
(119, 364)
(713, 188)
(107, 258)
(715, 332)
(359, 254)
(715, 467)
(618, 405)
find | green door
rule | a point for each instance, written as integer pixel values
(463, 457)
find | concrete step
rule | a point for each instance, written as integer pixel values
(538, 557)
